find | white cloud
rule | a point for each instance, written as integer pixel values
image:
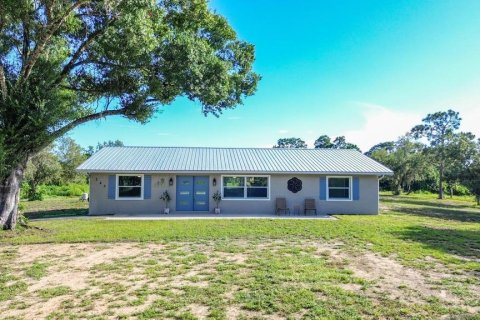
(283, 131)
(467, 102)
(381, 124)
(384, 124)
(470, 114)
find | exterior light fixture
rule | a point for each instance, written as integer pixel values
(170, 182)
(214, 182)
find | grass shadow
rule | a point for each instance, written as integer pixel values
(463, 243)
(435, 212)
(446, 203)
(60, 213)
(448, 211)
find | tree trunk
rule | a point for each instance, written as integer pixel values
(33, 190)
(9, 197)
(440, 191)
(397, 190)
(478, 199)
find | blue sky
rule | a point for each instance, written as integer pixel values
(369, 70)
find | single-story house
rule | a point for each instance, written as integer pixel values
(131, 180)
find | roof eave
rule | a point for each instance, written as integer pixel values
(378, 173)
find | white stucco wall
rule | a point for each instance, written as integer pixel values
(367, 204)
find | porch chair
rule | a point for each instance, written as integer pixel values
(281, 205)
(310, 206)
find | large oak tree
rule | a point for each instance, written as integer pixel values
(67, 62)
(439, 129)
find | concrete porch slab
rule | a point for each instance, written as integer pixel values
(197, 215)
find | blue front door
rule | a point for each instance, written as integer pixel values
(184, 193)
(192, 193)
(200, 193)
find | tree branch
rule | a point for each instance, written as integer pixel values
(81, 89)
(2, 21)
(3, 84)
(105, 63)
(51, 29)
(26, 40)
(94, 116)
(90, 39)
(48, 10)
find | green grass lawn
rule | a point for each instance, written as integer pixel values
(420, 258)
(54, 207)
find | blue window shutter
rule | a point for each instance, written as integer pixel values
(147, 184)
(323, 188)
(112, 181)
(356, 188)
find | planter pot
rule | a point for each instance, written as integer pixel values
(217, 210)
(166, 211)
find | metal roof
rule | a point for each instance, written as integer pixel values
(232, 160)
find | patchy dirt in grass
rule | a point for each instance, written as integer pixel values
(391, 277)
(75, 280)
(198, 310)
(129, 279)
(388, 277)
(235, 312)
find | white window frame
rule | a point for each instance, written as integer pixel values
(117, 186)
(245, 187)
(350, 188)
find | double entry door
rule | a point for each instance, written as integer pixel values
(192, 193)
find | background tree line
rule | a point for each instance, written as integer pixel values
(53, 170)
(434, 157)
(323, 141)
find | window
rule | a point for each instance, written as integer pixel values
(233, 187)
(245, 187)
(339, 188)
(257, 187)
(130, 187)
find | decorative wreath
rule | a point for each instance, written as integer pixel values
(294, 185)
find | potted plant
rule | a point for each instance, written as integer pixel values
(166, 199)
(217, 197)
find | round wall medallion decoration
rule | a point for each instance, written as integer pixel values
(294, 185)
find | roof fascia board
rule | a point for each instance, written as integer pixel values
(386, 173)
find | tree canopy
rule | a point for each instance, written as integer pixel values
(407, 160)
(434, 156)
(43, 168)
(471, 175)
(340, 142)
(387, 146)
(90, 150)
(323, 141)
(67, 62)
(70, 156)
(439, 129)
(290, 143)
